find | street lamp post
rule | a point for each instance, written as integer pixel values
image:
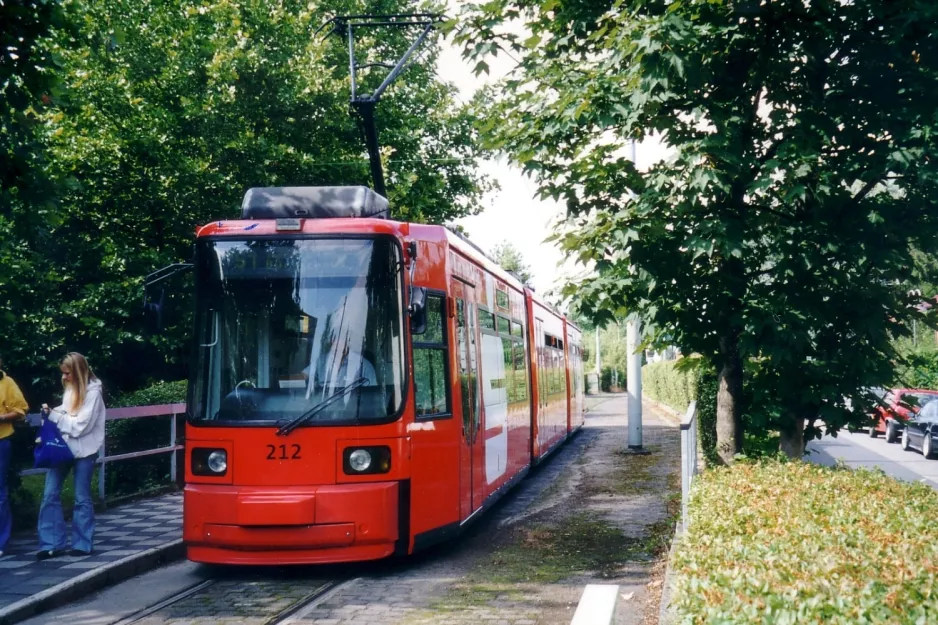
(634, 373)
(634, 384)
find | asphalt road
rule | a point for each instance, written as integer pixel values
(859, 450)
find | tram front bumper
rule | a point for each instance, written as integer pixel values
(295, 524)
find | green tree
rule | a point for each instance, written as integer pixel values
(176, 109)
(510, 259)
(28, 87)
(802, 172)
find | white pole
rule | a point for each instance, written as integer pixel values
(634, 381)
(599, 370)
(634, 373)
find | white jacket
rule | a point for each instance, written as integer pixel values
(83, 431)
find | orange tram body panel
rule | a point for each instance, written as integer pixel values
(329, 422)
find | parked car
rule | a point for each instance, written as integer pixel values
(921, 431)
(900, 405)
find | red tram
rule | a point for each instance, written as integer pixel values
(361, 387)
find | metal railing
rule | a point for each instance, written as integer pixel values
(134, 412)
(688, 458)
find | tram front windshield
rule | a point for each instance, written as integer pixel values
(285, 325)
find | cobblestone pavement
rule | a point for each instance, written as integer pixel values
(119, 532)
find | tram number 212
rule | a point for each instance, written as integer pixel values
(273, 455)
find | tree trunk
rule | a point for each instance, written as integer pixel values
(791, 439)
(729, 401)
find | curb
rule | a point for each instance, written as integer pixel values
(667, 616)
(91, 581)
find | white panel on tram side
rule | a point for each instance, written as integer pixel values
(489, 291)
(495, 392)
(496, 456)
(494, 387)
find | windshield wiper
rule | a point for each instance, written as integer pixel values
(312, 412)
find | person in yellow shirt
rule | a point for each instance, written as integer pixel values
(12, 407)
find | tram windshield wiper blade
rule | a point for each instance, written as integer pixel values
(312, 412)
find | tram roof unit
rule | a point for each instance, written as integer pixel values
(352, 209)
(313, 203)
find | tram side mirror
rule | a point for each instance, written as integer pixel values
(418, 310)
(154, 309)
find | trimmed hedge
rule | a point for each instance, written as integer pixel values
(607, 378)
(677, 386)
(922, 371)
(665, 383)
(130, 477)
(158, 393)
(791, 542)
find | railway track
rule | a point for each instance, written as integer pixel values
(253, 602)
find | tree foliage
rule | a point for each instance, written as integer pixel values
(801, 173)
(173, 110)
(510, 259)
(28, 87)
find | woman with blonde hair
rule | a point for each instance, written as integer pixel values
(80, 419)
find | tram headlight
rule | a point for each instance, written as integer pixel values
(218, 461)
(209, 462)
(366, 460)
(359, 460)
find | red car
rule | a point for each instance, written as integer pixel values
(900, 405)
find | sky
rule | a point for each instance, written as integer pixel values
(512, 213)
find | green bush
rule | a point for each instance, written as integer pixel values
(676, 384)
(607, 378)
(707, 413)
(158, 393)
(922, 371)
(665, 383)
(130, 477)
(791, 542)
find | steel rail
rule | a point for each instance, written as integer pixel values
(287, 616)
(179, 596)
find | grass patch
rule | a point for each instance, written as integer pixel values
(546, 554)
(780, 542)
(466, 596)
(631, 474)
(475, 600)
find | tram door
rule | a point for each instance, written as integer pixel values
(471, 461)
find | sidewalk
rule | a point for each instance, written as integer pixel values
(127, 539)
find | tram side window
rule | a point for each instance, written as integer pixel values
(430, 357)
(486, 319)
(520, 372)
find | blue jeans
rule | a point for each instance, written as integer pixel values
(53, 534)
(6, 519)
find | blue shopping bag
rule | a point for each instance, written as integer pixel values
(51, 450)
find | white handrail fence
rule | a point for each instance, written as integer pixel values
(688, 458)
(133, 412)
